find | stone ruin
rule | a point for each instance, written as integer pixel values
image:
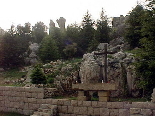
(61, 22)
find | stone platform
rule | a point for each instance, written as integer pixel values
(85, 90)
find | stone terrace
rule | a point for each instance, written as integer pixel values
(29, 100)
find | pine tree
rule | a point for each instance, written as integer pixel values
(87, 31)
(103, 29)
(37, 76)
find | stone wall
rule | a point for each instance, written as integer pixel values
(28, 100)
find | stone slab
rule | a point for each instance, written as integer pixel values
(94, 86)
(104, 99)
(103, 93)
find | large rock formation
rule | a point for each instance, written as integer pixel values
(32, 57)
(89, 69)
(120, 70)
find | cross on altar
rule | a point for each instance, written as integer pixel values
(105, 53)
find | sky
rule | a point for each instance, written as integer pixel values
(22, 11)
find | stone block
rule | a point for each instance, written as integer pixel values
(25, 100)
(59, 108)
(64, 109)
(1, 98)
(87, 103)
(124, 112)
(60, 102)
(127, 105)
(82, 98)
(54, 101)
(26, 112)
(104, 112)
(80, 110)
(1, 93)
(102, 104)
(140, 104)
(34, 95)
(28, 94)
(74, 103)
(95, 104)
(151, 106)
(73, 115)
(39, 101)
(27, 89)
(1, 88)
(135, 111)
(80, 93)
(67, 102)
(114, 112)
(76, 110)
(80, 103)
(30, 106)
(104, 99)
(146, 112)
(115, 105)
(96, 111)
(70, 109)
(90, 111)
(153, 111)
(32, 100)
(26, 106)
(136, 115)
(103, 93)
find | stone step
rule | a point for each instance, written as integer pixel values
(45, 106)
(46, 110)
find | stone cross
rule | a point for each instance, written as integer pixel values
(105, 52)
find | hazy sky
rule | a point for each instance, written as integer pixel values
(23, 11)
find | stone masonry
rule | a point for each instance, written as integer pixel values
(30, 100)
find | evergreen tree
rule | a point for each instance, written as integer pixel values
(145, 67)
(13, 45)
(134, 26)
(87, 31)
(103, 29)
(39, 32)
(73, 36)
(37, 76)
(59, 38)
(48, 50)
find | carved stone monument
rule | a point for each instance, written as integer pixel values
(51, 26)
(61, 22)
(91, 74)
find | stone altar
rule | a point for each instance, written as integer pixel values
(90, 78)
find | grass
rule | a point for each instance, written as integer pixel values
(10, 114)
(13, 73)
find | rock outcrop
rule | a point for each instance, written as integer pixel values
(32, 57)
(120, 70)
